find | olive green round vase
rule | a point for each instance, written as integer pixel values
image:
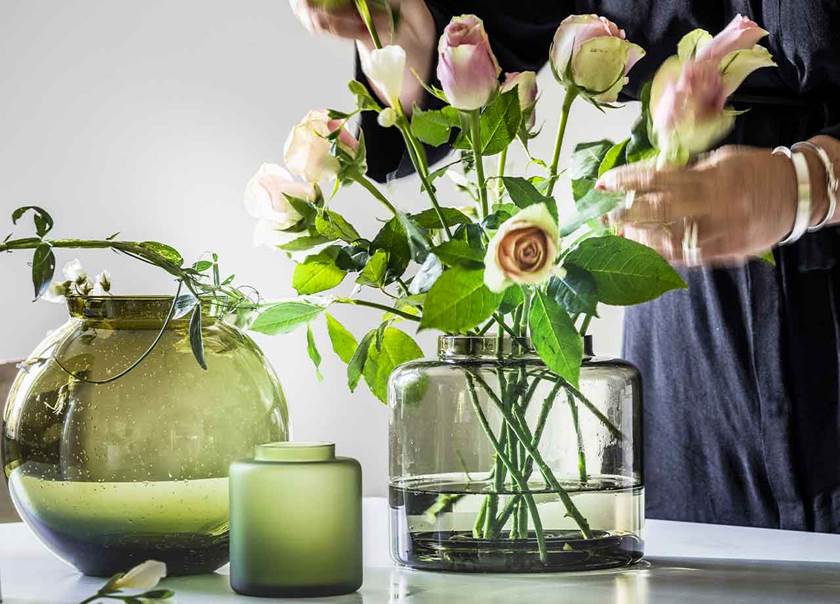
(111, 474)
(295, 522)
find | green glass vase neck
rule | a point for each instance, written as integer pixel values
(129, 309)
(295, 452)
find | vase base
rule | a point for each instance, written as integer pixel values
(565, 551)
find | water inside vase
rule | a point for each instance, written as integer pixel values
(107, 527)
(433, 520)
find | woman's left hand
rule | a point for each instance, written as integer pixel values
(742, 200)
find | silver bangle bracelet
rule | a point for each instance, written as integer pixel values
(831, 182)
(803, 191)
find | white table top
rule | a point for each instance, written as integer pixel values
(685, 563)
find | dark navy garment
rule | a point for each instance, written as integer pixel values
(742, 404)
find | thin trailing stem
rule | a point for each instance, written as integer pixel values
(139, 359)
(571, 95)
(364, 13)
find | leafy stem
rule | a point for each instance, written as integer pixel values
(377, 306)
(475, 141)
(571, 95)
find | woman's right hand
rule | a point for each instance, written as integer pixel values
(415, 33)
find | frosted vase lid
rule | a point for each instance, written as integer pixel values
(295, 451)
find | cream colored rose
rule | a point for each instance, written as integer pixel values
(523, 250)
(307, 152)
(385, 68)
(143, 576)
(265, 199)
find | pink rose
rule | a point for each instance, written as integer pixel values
(266, 200)
(591, 54)
(741, 34)
(467, 68)
(525, 83)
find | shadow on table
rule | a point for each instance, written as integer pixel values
(657, 581)
(218, 584)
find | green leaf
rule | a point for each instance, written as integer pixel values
(303, 207)
(285, 317)
(202, 265)
(428, 219)
(43, 221)
(459, 301)
(318, 272)
(373, 274)
(625, 272)
(301, 244)
(396, 348)
(555, 338)
(196, 341)
(513, 297)
(613, 158)
(768, 257)
(364, 99)
(343, 342)
(393, 239)
(334, 226)
(457, 252)
(418, 241)
(431, 127)
(353, 257)
(585, 164)
(43, 269)
(500, 123)
(167, 252)
(575, 291)
(430, 271)
(184, 304)
(641, 145)
(523, 193)
(312, 351)
(593, 205)
(356, 366)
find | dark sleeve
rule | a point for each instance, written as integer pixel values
(520, 37)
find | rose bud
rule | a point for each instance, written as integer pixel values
(590, 53)
(308, 149)
(740, 34)
(467, 68)
(523, 250)
(265, 199)
(525, 83)
(385, 68)
(688, 94)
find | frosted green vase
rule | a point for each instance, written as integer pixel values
(111, 475)
(296, 522)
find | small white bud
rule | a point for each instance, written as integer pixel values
(387, 117)
(74, 272)
(103, 280)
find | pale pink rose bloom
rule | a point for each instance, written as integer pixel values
(467, 68)
(307, 151)
(265, 196)
(525, 83)
(591, 53)
(741, 34)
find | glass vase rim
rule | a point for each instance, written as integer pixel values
(477, 346)
(126, 307)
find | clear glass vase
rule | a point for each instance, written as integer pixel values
(499, 465)
(109, 475)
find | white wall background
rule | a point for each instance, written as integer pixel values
(148, 117)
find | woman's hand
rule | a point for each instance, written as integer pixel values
(742, 200)
(415, 33)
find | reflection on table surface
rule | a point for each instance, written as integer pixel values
(655, 581)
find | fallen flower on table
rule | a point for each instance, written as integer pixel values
(143, 576)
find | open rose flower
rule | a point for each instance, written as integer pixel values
(590, 53)
(266, 200)
(525, 83)
(308, 149)
(523, 250)
(385, 68)
(467, 68)
(689, 92)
